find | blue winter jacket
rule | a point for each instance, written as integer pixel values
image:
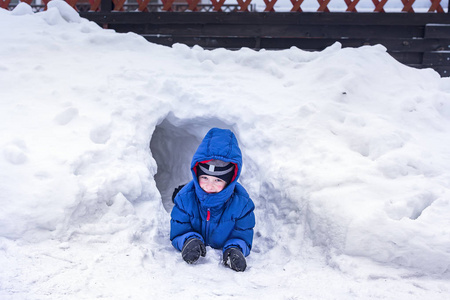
(221, 220)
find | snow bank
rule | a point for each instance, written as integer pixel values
(345, 156)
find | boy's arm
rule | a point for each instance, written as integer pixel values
(180, 228)
(242, 235)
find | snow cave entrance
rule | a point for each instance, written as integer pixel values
(172, 145)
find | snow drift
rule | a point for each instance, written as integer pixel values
(346, 151)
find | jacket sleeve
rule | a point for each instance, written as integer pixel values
(180, 226)
(242, 235)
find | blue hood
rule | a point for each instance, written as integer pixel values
(217, 144)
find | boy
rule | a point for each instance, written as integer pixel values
(214, 209)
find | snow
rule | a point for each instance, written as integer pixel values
(346, 156)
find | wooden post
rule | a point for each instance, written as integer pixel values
(106, 6)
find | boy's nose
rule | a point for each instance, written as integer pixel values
(211, 186)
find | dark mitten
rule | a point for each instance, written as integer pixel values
(192, 250)
(175, 192)
(234, 258)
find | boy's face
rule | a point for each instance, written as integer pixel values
(211, 184)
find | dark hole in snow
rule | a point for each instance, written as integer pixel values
(173, 144)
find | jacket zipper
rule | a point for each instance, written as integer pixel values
(208, 217)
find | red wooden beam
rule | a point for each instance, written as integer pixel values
(244, 4)
(217, 4)
(351, 5)
(269, 5)
(323, 5)
(95, 5)
(192, 5)
(45, 2)
(407, 5)
(142, 5)
(4, 3)
(296, 5)
(167, 5)
(72, 3)
(379, 5)
(118, 5)
(436, 6)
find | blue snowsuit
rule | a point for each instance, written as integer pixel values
(220, 220)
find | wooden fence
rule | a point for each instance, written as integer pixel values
(219, 5)
(420, 40)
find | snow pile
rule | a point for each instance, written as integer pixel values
(345, 156)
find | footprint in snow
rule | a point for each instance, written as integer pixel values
(15, 153)
(64, 117)
(100, 134)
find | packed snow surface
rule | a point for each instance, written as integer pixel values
(346, 156)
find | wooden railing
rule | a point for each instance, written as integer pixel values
(420, 40)
(218, 5)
